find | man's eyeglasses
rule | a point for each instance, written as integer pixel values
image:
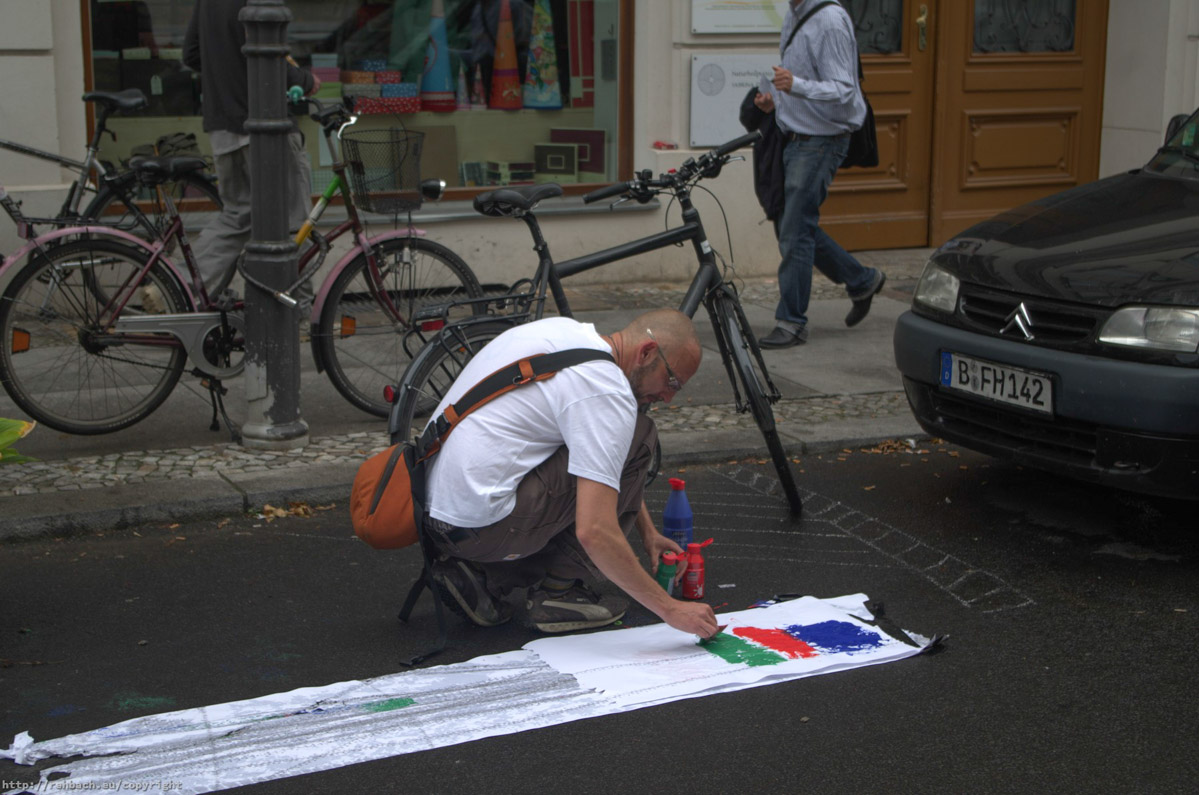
(672, 380)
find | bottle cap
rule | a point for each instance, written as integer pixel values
(677, 484)
(671, 558)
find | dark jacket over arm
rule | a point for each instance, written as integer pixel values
(768, 155)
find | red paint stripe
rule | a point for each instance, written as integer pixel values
(778, 640)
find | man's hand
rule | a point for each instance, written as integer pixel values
(601, 537)
(764, 102)
(316, 86)
(695, 618)
(655, 545)
(782, 79)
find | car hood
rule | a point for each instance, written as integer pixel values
(1129, 238)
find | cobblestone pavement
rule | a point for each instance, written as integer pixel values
(213, 461)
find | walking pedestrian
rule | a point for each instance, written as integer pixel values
(213, 47)
(817, 102)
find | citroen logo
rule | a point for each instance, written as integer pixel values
(1019, 319)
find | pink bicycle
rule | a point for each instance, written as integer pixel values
(97, 324)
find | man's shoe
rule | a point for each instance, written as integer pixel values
(861, 306)
(461, 588)
(577, 608)
(782, 338)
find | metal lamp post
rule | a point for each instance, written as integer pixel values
(272, 371)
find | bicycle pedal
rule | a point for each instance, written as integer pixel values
(226, 300)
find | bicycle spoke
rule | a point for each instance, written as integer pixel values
(363, 358)
(72, 373)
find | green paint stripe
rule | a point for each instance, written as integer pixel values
(735, 650)
(389, 705)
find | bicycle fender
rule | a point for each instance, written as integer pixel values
(103, 232)
(318, 303)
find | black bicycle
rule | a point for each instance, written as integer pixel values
(442, 357)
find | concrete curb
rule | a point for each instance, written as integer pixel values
(69, 513)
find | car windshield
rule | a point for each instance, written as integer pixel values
(1180, 155)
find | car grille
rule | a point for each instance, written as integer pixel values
(1062, 439)
(1054, 323)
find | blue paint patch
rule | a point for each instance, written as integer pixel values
(836, 637)
(65, 709)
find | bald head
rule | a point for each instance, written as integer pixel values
(661, 353)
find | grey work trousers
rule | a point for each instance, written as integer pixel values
(538, 537)
(221, 242)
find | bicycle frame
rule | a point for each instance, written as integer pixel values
(363, 246)
(550, 274)
(84, 169)
(25, 228)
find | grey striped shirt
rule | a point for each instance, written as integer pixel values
(825, 98)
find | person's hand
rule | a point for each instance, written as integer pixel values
(695, 618)
(316, 86)
(782, 79)
(764, 102)
(655, 544)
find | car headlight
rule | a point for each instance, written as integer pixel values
(938, 289)
(1160, 328)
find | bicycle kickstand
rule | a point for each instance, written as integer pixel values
(216, 393)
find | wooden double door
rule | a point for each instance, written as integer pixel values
(980, 105)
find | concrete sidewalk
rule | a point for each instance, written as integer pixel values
(839, 390)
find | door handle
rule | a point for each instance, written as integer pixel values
(922, 28)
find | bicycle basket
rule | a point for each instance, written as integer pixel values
(383, 167)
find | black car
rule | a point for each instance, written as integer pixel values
(1064, 334)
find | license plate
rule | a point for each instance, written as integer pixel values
(999, 382)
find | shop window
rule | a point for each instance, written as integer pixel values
(505, 91)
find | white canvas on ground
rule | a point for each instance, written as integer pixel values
(549, 682)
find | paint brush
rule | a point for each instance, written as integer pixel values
(705, 641)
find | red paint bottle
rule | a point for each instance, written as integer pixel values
(693, 579)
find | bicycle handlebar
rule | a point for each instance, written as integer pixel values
(603, 193)
(329, 117)
(642, 187)
(737, 143)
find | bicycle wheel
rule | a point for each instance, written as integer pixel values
(360, 344)
(56, 361)
(434, 369)
(734, 332)
(194, 195)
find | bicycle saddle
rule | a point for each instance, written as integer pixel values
(507, 201)
(129, 99)
(153, 170)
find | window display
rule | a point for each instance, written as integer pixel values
(506, 91)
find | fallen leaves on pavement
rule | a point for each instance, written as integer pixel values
(301, 509)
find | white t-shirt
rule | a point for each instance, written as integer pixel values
(590, 408)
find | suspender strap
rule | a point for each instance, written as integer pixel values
(519, 373)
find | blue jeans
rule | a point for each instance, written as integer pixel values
(808, 170)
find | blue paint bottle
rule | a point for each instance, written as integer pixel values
(676, 516)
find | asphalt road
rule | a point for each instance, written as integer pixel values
(1070, 613)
